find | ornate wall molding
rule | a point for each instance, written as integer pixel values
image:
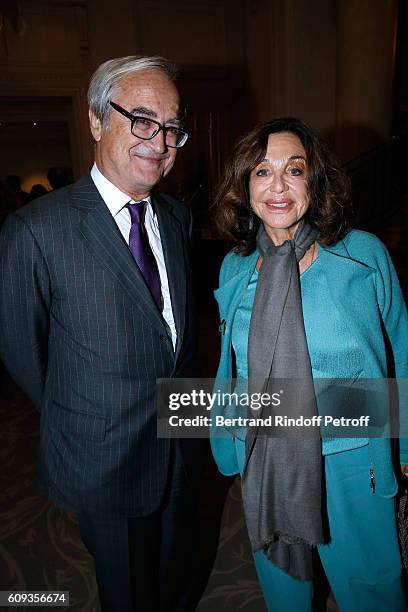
(173, 27)
(53, 36)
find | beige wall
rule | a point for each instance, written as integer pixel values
(47, 60)
(365, 69)
(242, 61)
(291, 55)
(112, 29)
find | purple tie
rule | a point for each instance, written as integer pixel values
(142, 253)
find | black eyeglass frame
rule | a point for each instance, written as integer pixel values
(160, 127)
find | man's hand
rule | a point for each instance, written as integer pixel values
(404, 469)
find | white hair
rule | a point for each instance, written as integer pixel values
(105, 81)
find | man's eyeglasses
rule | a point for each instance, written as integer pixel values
(146, 129)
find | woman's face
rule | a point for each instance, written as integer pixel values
(278, 188)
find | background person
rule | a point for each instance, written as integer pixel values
(8, 201)
(36, 191)
(58, 177)
(303, 296)
(14, 183)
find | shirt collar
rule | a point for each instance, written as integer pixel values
(113, 197)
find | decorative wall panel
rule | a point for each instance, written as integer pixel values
(50, 38)
(190, 33)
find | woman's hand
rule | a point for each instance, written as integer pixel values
(404, 469)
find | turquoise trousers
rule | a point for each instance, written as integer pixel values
(362, 560)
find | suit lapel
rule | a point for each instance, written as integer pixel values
(103, 238)
(172, 243)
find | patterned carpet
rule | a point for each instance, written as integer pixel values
(39, 544)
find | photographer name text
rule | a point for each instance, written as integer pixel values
(269, 421)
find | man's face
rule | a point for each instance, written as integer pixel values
(132, 164)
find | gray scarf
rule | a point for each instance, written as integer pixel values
(281, 482)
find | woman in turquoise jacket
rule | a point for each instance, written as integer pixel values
(303, 297)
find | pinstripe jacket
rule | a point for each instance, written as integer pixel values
(83, 338)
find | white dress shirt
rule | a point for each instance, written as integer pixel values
(116, 202)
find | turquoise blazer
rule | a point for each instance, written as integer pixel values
(363, 285)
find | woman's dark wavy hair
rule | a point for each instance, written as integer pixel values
(328, 187)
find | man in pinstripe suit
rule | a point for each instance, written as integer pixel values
(86, 332)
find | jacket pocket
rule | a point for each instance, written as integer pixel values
(84, 424)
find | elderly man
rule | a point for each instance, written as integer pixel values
(95, 306)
